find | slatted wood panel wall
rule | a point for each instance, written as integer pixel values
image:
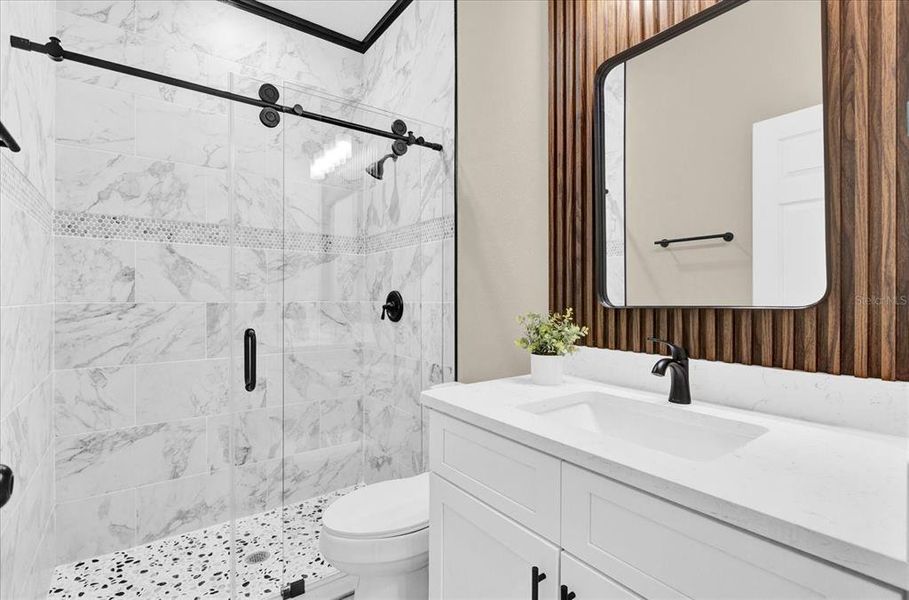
(862, 327)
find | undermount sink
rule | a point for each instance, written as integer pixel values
(671, 429)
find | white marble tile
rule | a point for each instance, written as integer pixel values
(433, 271)
(254, 435)
(25, 351)
(26, 433)
(26, 257)
(214, 27)
(393, 444)
(94, 399)
(340, 323)
(180, 505)
(341, 420)
(301, 427)
(95, 117)
(116, 13)
(264, 317)
(315, 207)
(317, 471)
(116, 184)
(302, 58)
(394, 380)
(96, 525)
(181, 390)
(170, 132)
(24, 524)
(88, 270)
(182, 273)
(190, 272)
(259, 486)
(27, 104)
(258, 199)
(119, 459)
(112, 334)
(322, 374)
(614, 181)
(379, 278)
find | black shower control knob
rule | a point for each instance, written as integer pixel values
(393, 307)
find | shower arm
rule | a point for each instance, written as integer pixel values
(54, 50)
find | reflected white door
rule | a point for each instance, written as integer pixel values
(789, 248)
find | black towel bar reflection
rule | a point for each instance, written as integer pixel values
(728, 236)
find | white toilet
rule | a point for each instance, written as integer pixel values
(380, 533)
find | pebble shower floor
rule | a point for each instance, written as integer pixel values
(196, 564)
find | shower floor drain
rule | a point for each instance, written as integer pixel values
(256, 557)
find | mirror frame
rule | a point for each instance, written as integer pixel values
(599, 157)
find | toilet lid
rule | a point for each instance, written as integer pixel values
(379, 510)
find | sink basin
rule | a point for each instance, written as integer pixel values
(671, 429)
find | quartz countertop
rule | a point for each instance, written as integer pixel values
(836, 493)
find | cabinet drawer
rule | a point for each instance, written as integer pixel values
(520, 482)
(661, 550)
(588, 584)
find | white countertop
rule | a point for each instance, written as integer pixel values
(838, 494)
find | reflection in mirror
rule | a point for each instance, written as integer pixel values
(716, 134)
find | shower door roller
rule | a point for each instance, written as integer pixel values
(6, 484)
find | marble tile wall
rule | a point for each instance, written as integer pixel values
(146, 425)
(410, 70)
(27, 538)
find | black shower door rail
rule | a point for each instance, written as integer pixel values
(55, 51)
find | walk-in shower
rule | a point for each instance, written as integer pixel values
(194, 270)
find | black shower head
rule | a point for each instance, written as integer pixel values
(377, 169)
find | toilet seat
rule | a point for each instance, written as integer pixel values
(381, 510)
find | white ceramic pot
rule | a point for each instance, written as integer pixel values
(546, 369)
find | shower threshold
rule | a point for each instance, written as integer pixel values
(196, 564)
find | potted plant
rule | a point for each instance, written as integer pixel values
(549, 338)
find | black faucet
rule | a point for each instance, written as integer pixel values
(677, 363)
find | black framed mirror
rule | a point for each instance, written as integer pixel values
(710, 162)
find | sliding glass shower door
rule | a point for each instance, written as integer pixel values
(337, 305)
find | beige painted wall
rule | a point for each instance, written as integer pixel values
(502, 180)
(690, 106)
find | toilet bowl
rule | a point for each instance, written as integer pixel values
(380, 533)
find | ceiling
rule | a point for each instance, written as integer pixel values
(353, 18)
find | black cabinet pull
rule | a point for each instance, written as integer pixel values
(249, 359)
(535, 578)
(6, 484)
(564, 594)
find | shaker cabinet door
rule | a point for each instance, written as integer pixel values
(477, 553)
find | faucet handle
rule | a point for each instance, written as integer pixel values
(677, 352)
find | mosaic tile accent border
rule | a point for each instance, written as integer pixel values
(119, 227)
(16, 187)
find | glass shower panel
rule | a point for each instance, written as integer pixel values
(251, 444)
(352, 379)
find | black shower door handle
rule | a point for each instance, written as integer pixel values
(249, 359)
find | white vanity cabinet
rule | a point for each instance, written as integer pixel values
(502, 513)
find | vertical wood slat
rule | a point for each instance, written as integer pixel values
(861, 327)
(901, 221)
